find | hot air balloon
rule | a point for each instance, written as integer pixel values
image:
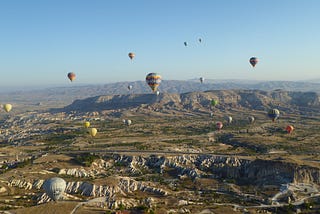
(201, 79)
(71, 76)
(86, 124)
(251, 119)
(219, 125)
(185, 44)
(54, 188)
(200, 40)
(229, 119)
(289, 129)
(129, 87)
(128, 122)
(274, 114)
(131, 55)
(153, 80)
(253, 61)
(214, 102)
(93, 132)
(7, 107)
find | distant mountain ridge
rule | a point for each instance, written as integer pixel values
(69, 94)
(200, 101)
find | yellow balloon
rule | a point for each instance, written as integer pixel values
(7, 107)
(86, 124)
(93, 132)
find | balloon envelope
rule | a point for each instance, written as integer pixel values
(131, 55)
(93, 132)
(86, 124)
(229, 119)
(129, 87)
(185, 44)
(7, 107)
(214, 102)
(153, 80)
(289, 129)
(251, 119)
(253, 61)
(54, 188)
(128, 122)
(71, 76)
(274, 114)
(219, 125)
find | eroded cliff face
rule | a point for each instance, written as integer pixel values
(197, 166)
(241, 171)
(121, 185)
(215, 166)
(195, 101)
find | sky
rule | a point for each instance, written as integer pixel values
(42, 40)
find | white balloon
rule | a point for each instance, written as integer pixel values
(54, 187)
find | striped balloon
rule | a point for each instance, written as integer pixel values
(153, 80)
(274, 114)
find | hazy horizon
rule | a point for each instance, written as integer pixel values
(36, 87)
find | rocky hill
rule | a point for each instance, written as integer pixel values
(200, 101)
(239, 170)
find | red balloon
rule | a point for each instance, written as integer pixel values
(219, 125)
(289, 129)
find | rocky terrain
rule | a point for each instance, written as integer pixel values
(171, 159)
(249, 99)
(242, 171)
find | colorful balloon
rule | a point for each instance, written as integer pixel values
(153, 80)
(71, 76)
(214, 102)
(251, 119)
(86, 124)
(229, 119)
(93, 132)
(131, 55)
(219, 125)
(7, 107)
(128, 122)
(253, 61)
(274, 114)
(289, 129)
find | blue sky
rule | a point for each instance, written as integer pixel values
(42, 40)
